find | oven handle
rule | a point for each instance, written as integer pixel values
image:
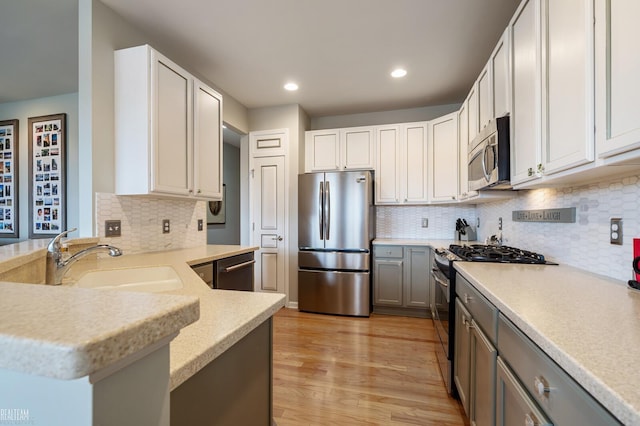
(435, 273)
(238, 266)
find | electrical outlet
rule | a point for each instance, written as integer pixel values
(499, 224)
(112, 228)
(200, 225)
(166, 226)
(425, 222)
(615, 231)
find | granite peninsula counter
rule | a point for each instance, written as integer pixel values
(103, 317)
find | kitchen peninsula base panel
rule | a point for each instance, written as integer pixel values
(234, 389)
(129, 395)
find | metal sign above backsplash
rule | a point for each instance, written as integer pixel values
(563, 215)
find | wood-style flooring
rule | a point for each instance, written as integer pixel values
(382, 370)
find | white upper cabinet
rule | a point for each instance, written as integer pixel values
(618, 78)
(485, 97)
(168, 128)
(388, 165)
(463, 152)
(473, 113)
(207, 142)
(443, 151)
(401, 166)
(415, 165)
(568, 98)
(340, 149)
(357, 148)
(501, 71)
(526, 85)
(322, 150)
(552, 122)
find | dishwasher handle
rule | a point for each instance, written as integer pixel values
(238, 266)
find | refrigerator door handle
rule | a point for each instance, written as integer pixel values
(327, 211)
(321, 210)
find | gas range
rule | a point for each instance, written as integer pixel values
(498, 254)
(444, 278)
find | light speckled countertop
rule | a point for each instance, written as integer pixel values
(67, 332)
(589, 324)
(225, 316)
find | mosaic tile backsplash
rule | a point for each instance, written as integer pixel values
(142, 222)
(583, 244)
(406, 221)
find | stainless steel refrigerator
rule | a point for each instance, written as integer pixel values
(336, 225)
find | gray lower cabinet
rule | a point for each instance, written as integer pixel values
(475, 353)
(547, 385)
(483, 378)
(462, 354)
(401, 280)
(235, 389)
(503, 378)
(513, 404)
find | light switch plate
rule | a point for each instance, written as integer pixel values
(200, 225)
(112, 228)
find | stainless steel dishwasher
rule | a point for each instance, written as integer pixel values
(234, 273)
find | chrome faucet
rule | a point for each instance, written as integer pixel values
(57, 267)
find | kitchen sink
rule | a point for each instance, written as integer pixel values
(151, 279)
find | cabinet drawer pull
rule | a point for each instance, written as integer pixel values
(541, 386)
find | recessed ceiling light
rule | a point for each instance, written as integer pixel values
(398, 72)
(291, 87)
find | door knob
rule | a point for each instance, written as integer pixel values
(278, 238)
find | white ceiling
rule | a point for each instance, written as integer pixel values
(340, 52)
(38, 48)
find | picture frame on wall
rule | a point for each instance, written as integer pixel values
(217, 210)
(9, 143)
(47, 175)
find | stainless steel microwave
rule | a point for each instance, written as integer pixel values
(489, 157)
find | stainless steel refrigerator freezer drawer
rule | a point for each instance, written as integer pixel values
(333, 260)
(339, 293)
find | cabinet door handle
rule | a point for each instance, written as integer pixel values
(530, 420)
(467, 298)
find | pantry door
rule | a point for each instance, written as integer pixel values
(268, 222)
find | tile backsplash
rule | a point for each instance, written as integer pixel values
(142, 222)
(583, 244)
(406, 221)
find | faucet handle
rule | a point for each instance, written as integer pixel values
(54, 245)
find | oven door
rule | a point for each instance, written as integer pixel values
(440, 312)
(441, 307)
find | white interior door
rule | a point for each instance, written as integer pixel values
(268, 211)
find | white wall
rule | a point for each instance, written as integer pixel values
(32, 108)
(101, 32)
(382, 117)
(229, 232)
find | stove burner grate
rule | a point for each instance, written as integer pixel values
(501, 254)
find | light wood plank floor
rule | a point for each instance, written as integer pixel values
(382, 370)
